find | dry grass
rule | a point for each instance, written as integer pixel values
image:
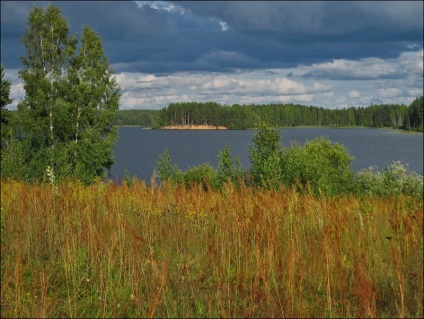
(139, 251)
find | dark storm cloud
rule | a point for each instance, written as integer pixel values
(312, 17)
(128, 33)
(306, 32)
(221, 36)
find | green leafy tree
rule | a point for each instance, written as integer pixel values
(167, 171)
(13, 161)
(229, 170)
(265, 156)
(5, 97)
(94, 97)
(12, 157)
(415, 111)
(5, 100)
(71, 99)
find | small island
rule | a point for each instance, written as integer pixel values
(193, 127)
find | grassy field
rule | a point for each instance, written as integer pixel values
(139, 251)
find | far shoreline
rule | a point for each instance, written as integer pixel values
(389, 130)
(193, 127)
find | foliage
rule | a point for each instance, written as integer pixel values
(136, 251)
(167, 171)
(265, 156)
(144, 118)
(5, 97)
(229, 170)
(13, 161)
(392, 181)
(321, 164)
(415, 115)
(128, 180)
(5, 114)
(203, 175)
(65, 119)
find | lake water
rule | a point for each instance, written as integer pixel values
(137, 149)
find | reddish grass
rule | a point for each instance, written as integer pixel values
(139, 251)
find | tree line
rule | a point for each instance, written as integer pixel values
(238, 116)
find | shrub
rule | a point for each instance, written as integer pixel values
(203, 174)
(321, 164)
(392, 181)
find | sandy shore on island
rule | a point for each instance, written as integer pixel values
(193, 127)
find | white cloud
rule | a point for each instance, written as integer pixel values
(173, 8)
(407, 64)
(412, 62)
(372, 68)
(243, 88)
(224, 25)
(354, 94)
(389, 92)
(161, 5)
(17, 91)
(364, 82)
(412, 46)
(367, 76)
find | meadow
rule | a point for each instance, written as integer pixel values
(134, 250)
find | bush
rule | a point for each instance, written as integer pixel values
(203, 175)
(321, 164)
(228, 170)
(392, 181)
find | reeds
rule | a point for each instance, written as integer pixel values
(138, 251)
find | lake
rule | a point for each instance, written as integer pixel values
(138, 149)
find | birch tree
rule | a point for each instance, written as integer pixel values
(95, 99)
(71, 98)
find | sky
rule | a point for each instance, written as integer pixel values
(322, 53)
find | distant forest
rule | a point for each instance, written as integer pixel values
(239, 116)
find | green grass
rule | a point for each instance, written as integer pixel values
(116, 251)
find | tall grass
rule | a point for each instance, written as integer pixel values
(138, 251)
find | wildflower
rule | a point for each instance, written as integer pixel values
(132, 297)
(50, 174)
(51, 177)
